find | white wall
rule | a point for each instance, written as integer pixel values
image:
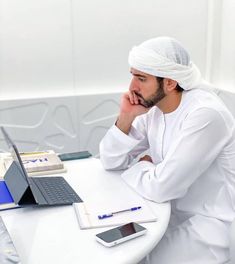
(104, 32)
(224, 76)
(63, 47)
(35, 48)
(70, 57)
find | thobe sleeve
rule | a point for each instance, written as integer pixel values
(202, 137)
(118, 150)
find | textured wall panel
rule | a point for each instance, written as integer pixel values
(48, 123)
(63, 124)
(96, 114)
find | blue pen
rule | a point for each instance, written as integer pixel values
(103, 216)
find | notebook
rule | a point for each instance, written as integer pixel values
(42, 191)
(88, 214)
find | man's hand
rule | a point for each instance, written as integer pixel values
(130, 108)
(130, 105)
(146, 158)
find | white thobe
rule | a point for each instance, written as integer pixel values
(193, 154)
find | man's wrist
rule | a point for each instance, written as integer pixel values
(124, 123)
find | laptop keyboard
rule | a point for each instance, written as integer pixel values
(56, 190)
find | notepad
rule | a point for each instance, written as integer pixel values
(87, 214)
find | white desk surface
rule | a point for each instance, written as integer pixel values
(52, 235)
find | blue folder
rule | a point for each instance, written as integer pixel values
(5, 196)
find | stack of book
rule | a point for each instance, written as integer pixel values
(35, 163)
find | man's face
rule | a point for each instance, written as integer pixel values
(147, 88)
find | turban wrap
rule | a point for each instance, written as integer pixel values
(165, 57)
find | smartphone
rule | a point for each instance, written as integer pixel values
(74, 155)
(120, 234)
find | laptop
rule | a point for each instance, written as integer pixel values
(40, 191)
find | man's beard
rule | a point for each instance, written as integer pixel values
(154, 99)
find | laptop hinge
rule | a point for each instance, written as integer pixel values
(18, 185)
(27, 197)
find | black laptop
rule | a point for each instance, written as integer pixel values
(41, 191)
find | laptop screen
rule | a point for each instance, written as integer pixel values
(15, 153)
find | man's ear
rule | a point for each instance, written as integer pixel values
(169, 84)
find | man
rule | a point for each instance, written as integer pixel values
(190, 138)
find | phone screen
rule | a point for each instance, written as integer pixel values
(120, 232)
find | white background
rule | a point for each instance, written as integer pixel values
(77, 50)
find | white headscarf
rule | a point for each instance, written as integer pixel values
(165, 57)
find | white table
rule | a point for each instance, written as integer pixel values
(52, 235)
